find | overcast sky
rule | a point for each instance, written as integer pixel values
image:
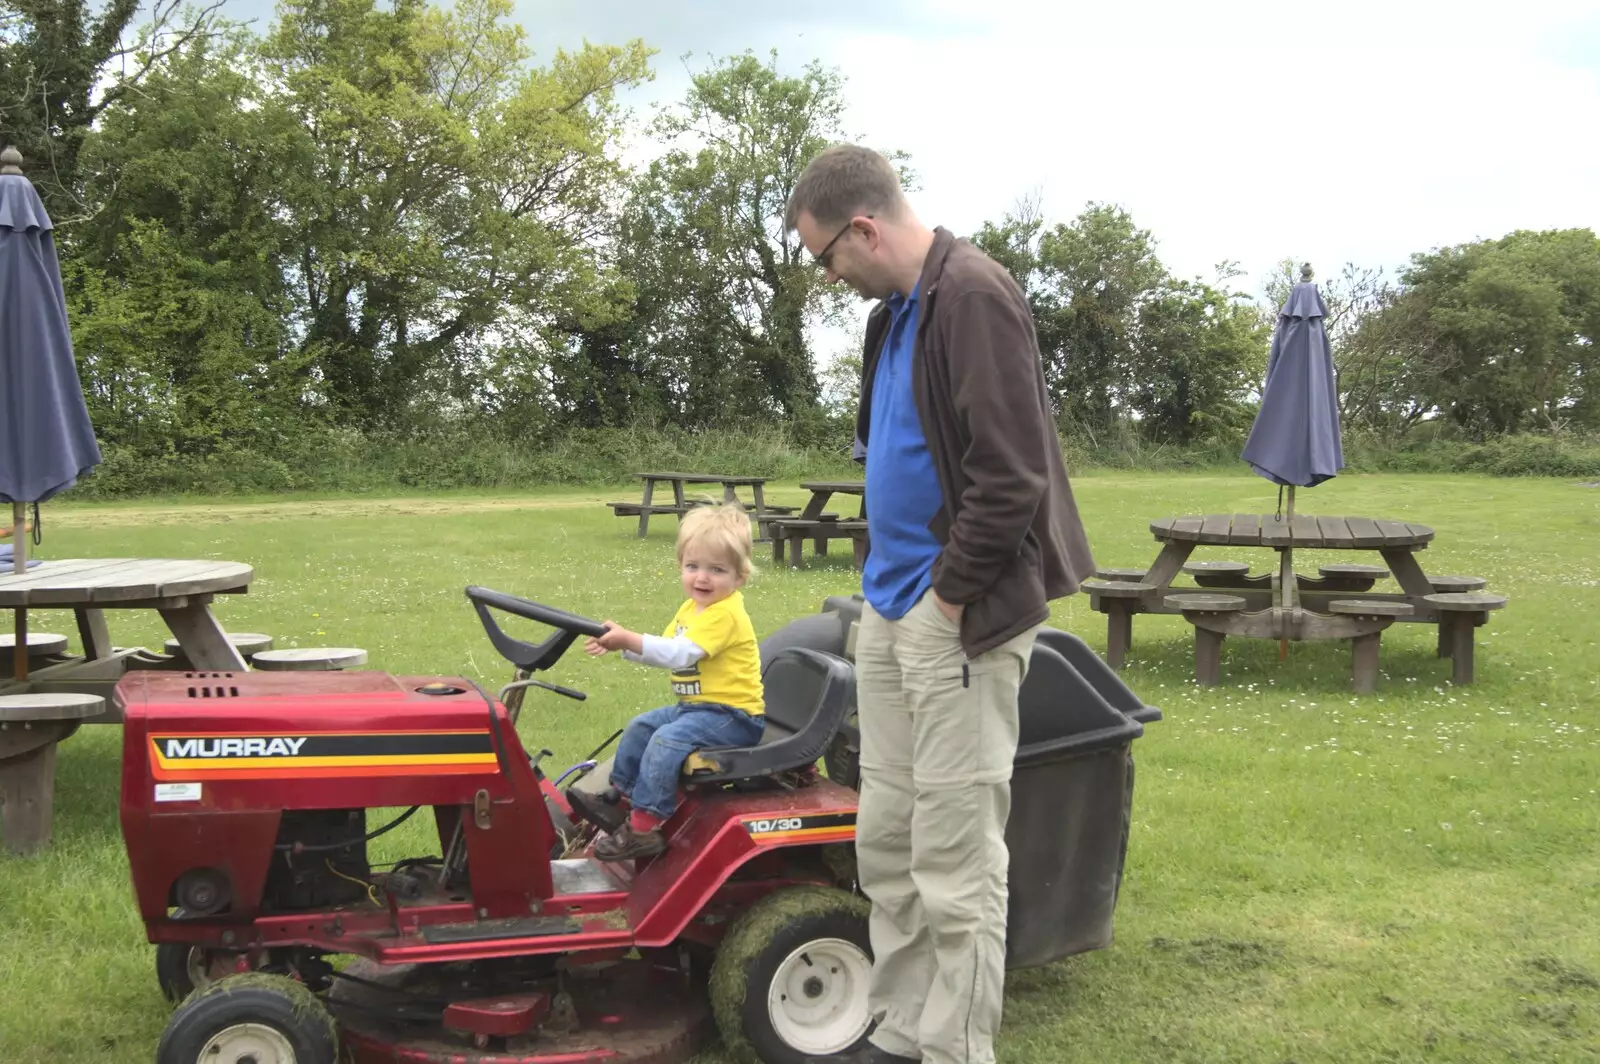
(1354, 131)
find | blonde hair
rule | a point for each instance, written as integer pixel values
(723, 527)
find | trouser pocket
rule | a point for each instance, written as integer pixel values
(964, 710)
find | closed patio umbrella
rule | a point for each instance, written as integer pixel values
(46, 441)
(1295, 439)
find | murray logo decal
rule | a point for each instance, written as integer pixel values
(254, 746)
(393, 753)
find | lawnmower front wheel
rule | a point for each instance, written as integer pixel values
(252, 1016)
(182, 968)
(790, 977)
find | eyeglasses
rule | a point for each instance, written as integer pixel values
(824, 257)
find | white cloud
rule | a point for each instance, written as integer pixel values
(1248, 131)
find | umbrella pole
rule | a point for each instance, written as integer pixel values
(19, 564)
(1286, 595)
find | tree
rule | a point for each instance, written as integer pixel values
(369, 219)
(1512, 326)
(686, 349)
(1498, 336)
(736, 147)
(1351, 296)
(722, 292)
(841, 384)
(1120, 337)
(1101, 270)
(63, 68)
(176, 286)
(1198, 352)
(1386, 367)
(450, 190)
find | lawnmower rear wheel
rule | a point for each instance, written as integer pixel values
(251, 1016)
(790, 977)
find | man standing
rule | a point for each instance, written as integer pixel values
(974, 530)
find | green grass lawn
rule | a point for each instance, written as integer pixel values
(1313, 876)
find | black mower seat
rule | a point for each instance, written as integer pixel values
(827, 632)
(808, 694)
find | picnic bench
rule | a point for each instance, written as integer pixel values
(1339, 603)
(815, 523)
(41, 646)
(309, 659)
(31, 725)
(647, 507)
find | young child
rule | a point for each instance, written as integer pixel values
(711, 649)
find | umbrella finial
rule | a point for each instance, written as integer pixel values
(10, 161)
(1305, 273)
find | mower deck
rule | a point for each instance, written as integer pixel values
(626, 1013)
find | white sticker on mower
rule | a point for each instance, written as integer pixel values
(809, 824)
(177, 792)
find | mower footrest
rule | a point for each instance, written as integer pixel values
(513, 927)
(580, 875)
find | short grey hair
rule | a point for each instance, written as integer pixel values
(843, 181)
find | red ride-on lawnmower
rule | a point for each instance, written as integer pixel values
(245, 799)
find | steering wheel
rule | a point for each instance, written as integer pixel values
(529, 656)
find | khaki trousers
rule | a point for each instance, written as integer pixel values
(938, 737)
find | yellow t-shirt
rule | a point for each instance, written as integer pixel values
(730, 673)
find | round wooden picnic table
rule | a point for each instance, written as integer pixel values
(1302, 530)
(1281, 604)
(1397, 541)
(179, 589)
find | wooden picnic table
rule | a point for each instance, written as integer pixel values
(824, 490)
(180, 590)
(1396, 541)
(1338, 604)
(819, 526)
(647, 506)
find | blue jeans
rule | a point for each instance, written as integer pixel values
(652, 751)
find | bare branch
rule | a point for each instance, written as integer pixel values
(200, 27)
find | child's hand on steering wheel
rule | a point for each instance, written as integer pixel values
(616, 637)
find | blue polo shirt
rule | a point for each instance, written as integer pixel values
(902, 488)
